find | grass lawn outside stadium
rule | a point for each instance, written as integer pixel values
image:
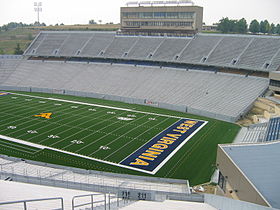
(98, 134)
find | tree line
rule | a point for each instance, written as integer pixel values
(13, 25)
(227, 25)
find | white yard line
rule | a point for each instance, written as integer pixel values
(97, 131)
(120, 137)
(49, 107)
(72, 110)
(7, 110)
(39, 121)
(20, 150)
(179, 147)
(88, 128)
(97, 105)
(69, 153)
(30, 108)
(95, 159)
(150, 140)
(19, 147)
(70, 127)
(105, 136)
(133, 139)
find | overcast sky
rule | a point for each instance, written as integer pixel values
(80, 12)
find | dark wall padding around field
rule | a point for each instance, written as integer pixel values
(249, 52)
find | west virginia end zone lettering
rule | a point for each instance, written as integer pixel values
(155, 150)
(152, 154)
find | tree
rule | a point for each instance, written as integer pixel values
(242, 26)
(13, 25)
(36, 23)
(264, 26)
(272, 29)
(277, 30)
(91, 22)
(224, 25)
(18, 51)
(5, 28)
(254, 26)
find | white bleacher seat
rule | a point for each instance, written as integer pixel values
(221, 93)
(260, 53)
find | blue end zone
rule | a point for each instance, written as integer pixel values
(156, 152)
(4, 94)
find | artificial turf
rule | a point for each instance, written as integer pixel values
(95, 131)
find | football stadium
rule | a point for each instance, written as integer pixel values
(124, 117)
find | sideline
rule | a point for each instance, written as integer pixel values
(97, 105)
(69, 153)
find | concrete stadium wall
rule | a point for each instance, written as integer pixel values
(212, 115)
(101, 173)
(179, 108)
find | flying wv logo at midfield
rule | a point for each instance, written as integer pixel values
(44, 115)
(4, 94)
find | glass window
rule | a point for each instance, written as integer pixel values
(124, 14)
(132, 23)
(222, 182)
(130, 14)
(275, 83)
(186, 14)
(172, 14)
(159, 24)
(159, 14)
(147, 15)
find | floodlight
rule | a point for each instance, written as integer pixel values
(38, 9)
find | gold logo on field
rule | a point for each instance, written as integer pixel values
(3, 94)
(44, 115)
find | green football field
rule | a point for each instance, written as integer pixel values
(99, 135)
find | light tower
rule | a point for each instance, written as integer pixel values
(38, 9)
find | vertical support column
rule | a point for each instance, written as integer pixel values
(91, 200)
(62, 205)
(24, 205)
(109, 201)
(105, 200)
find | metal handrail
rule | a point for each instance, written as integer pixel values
(84, 204)
(33, 200)
(104, 201)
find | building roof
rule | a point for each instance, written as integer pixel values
(260, 163)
